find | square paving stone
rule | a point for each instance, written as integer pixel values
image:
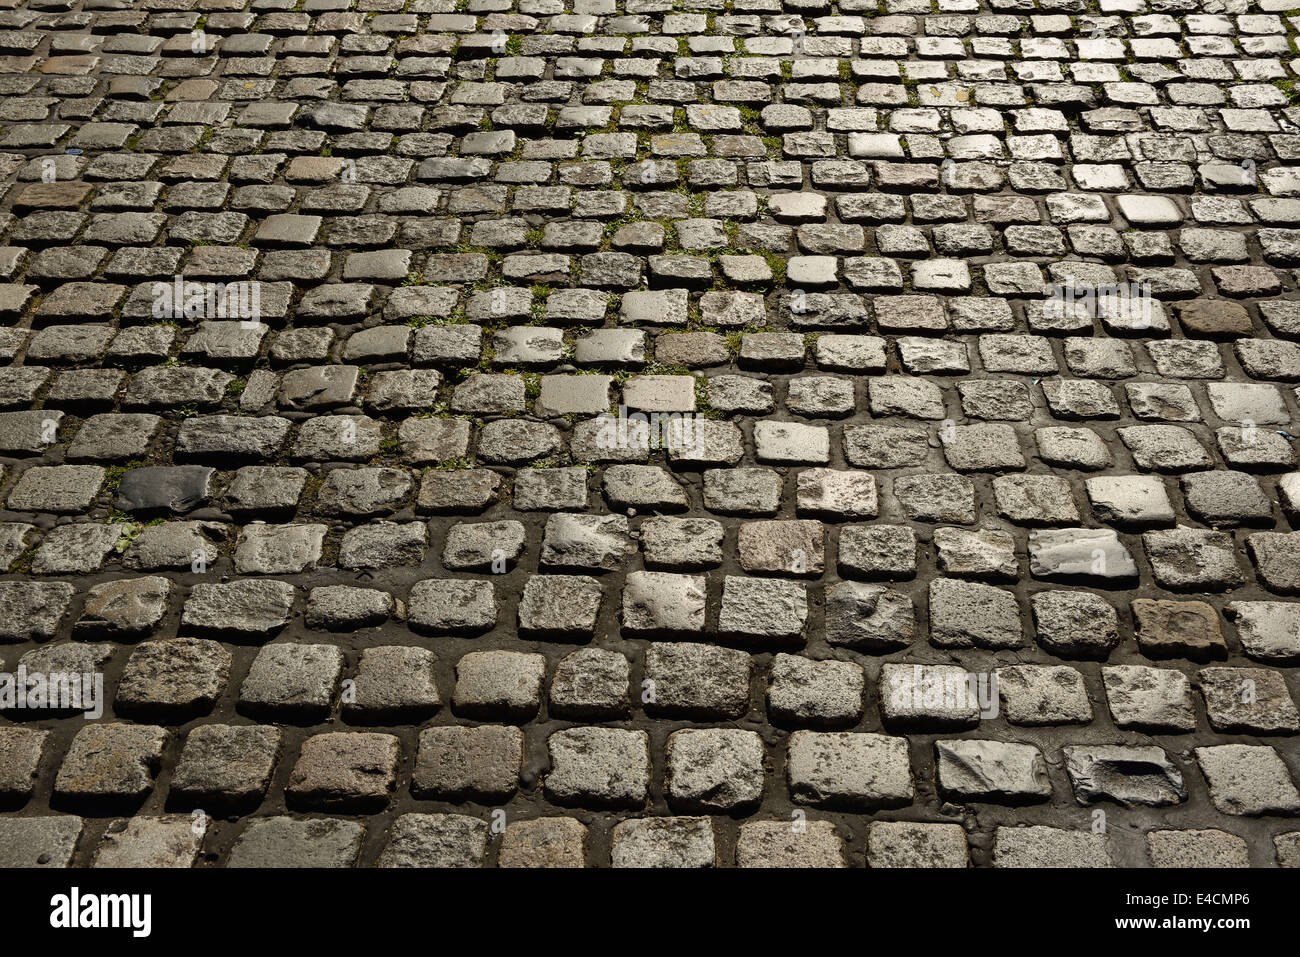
(1277, 559)
(594, 543)
(47, 841)
(166, 841)
(1269, 630)
(20, 756)
(1043, 694)
(907, 844)
(394, 683)
(985, 553)
(791, 443)
(1248, 780)
(293, 682)
(928, 697)
(936, 498)
(124, 608)
(383, 545)
(877, 552)
(288, 842)
(480, 764)
(560, 606)
(681, 543)
(278, 549)
(783, 844)
(1130, 501)
(1041, 846)
(847, 770)
(78, 548)
(716, 769)
(452, 606)
(543, 842)
(1248, 701)
(869, 617)
(56, 488)
(111, 764)
(591, 683)
(1035, 499)
(344, 608)
(993, 771)
(1222, 498)
(1177, 629)
(499, 684)
(538, 489)
(1080, 555)
(1149, 699)
(696, 680)
(1207, 847)
(742, 491)
(598, 767)
(971, 614)
(1075, 624)
(762, 610)
(154, 489)
(663, 842)
(247, 609)
(782, 548)
(806, 693)
(345, 771)
(663, 604)
(266, 490)
(983, 448)
(226, 766)
(435, 840)
(1192, 559)
(173, 679)
(457, 490)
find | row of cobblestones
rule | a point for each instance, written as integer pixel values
(664, 433)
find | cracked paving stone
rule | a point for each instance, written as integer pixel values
(994, 771)
(344, 771)
(1129, 776)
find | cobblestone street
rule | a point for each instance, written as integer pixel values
(670, 433)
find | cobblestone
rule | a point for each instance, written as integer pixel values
(621, 417)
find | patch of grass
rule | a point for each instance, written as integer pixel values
(114, 474)
(451, 465)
